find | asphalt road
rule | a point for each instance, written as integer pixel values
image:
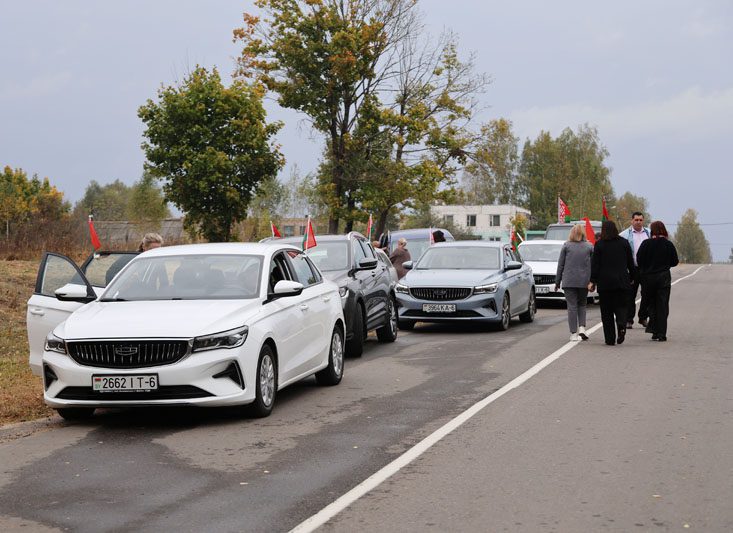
(634, 437)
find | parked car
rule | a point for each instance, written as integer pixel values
(560, 232)
(366, 286)
(471, 281)
(384, 259)
(542, 257)
(418, 240)
(205, 324)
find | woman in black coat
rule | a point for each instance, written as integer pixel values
(655, 257)
(612, 266)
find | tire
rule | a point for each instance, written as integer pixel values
(506, 315)
(388, 332)
(332, 374)
(406, 325)
(265, 384)
(528, 315)
(355, 345)
(75, 413)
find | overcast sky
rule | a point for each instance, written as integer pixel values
(655, 77)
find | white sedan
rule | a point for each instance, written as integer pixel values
(542, 256)
(204, 324)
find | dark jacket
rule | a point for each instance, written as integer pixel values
(612, 264)
(656, 256)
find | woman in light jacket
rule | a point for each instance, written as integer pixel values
(573, 273)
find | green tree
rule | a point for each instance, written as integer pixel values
(571, 166)
(492, 174)
(692, 245)
(627, 204)
(211, 146)
(146, 201)
(328, 59)
(105, 202)
(23, 199)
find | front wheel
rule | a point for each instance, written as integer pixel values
(388, 332)
(528, 315)
(332, 374)
(506, 314)
(266, 384)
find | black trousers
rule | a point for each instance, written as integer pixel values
(613, 304)
(656, 289)
(643, 305)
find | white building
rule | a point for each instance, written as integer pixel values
(490, 222)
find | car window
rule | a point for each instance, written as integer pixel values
(57, 272)
(460, 257)
(358, 251)
(541, 252)
(303, 272)
(101, 268)
(330, 255)
(368, 251)
(278, 271)
(507, 256)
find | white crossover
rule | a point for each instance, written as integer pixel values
(204, 324)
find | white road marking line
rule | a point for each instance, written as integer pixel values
(376, 479)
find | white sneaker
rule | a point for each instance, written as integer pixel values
(581, 333)
(574, 337)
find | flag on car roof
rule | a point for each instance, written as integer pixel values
(93, 234)
(431, 236)
(563, 211)
(275, 231)
(589, 233)
(309, 237)
(369, 228)
(605, 215)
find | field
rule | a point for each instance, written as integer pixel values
(21, 393)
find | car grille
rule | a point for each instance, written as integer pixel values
(127, 353)
(544, 279)
(170, 392)
(440, 294)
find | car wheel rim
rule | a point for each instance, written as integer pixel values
(267, 380)
(337, 353)
(392, 318)
(505, 312)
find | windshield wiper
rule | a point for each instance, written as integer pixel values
(112, 300)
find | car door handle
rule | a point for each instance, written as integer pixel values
(326, 298)
(303, 307)
(37, 312)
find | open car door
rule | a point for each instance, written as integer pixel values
(61, 288)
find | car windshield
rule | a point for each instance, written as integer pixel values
(188, 277)
(328, 256)
(463, 257)
(558, 233)
(540, 252)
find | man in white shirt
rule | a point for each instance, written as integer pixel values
(636, 234)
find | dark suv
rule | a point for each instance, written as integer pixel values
(365, 285)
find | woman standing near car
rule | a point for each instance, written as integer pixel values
(573, 273)
(612, 266)
(655, 257)
(399, 256)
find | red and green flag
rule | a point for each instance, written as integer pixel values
(605, 215)
(275, 231)
(515, 238)
(309, 237)
(369, 228)
(563, 211)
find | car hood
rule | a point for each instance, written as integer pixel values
(542, 267)
(164, 319)
(450, 278)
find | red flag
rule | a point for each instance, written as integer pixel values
(589, 233)
(369, 228)
(431, 236)
(605, 211)
(309, 237)
(93, 234)
(563, 211)
(275, 232)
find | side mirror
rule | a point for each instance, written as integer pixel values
(367, 264)
(513, 265)
(71, 292)
(408, 265)
(287, 288)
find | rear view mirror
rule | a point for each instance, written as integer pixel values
(407, 265)
(287, 288)
(367, 264)
(72, 292)
(513, 265)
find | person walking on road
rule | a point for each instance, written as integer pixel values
(400, 256)
(612, 266)
(656, 256)
(636, 234)
(573, 273)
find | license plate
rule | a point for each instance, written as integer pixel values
(439, 308)
(542, 290)
(127, 383)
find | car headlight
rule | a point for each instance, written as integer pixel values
(486, 289)
(225, 339)
(404, 289)
(343, 291)
(55, 344)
